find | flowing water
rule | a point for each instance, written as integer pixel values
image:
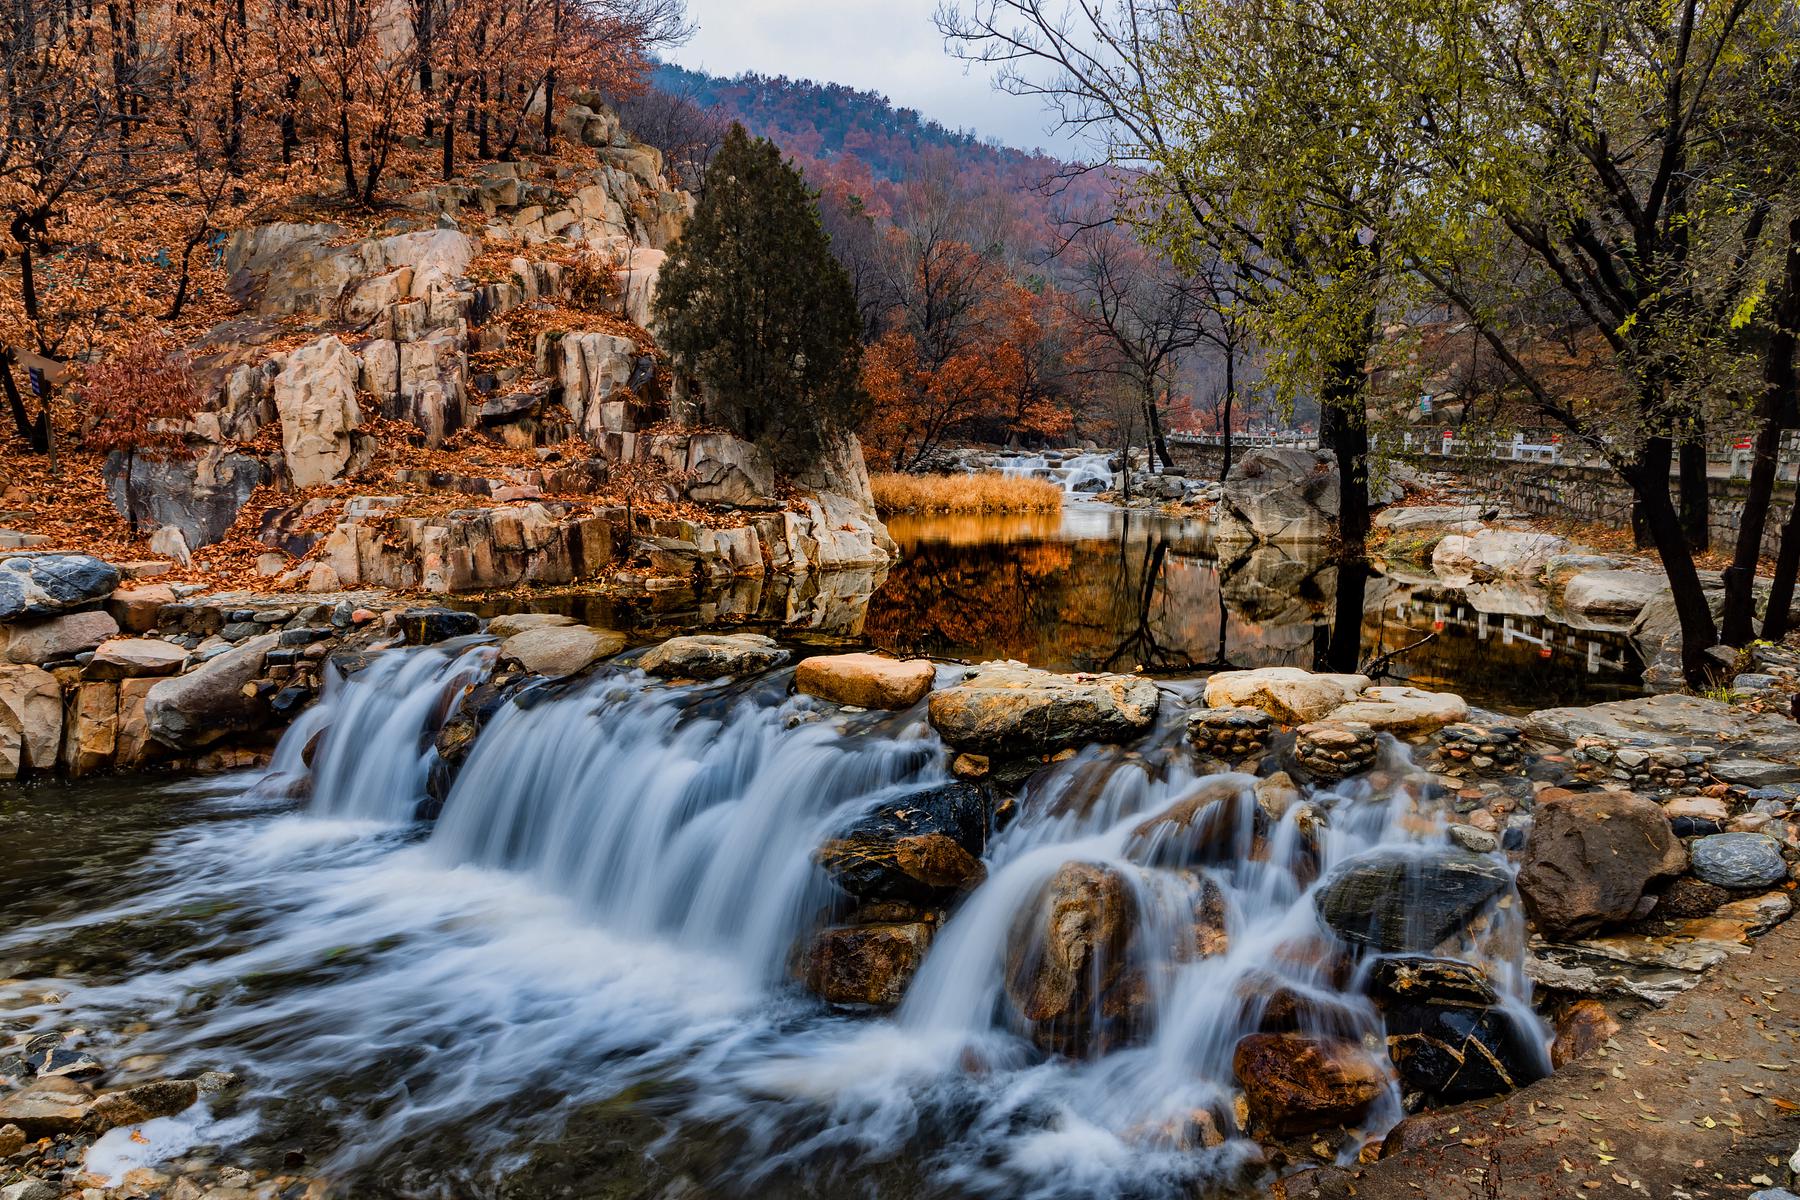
(600, 927)
(1074, 473)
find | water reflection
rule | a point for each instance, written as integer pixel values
(1102, 589)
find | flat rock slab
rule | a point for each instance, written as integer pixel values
(560, 650)
(713, 656)
(1289, 694)
(1010, 709)
(1673, 720)
(133, 658)
(507, 624)
(865, 680)
(57, 639)
(1404, 711)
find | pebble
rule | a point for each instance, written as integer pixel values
(1477, 841)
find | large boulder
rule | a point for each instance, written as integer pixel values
(315, 393)
(57, 639)
(1069, 976)
(44, 584)
(1653, 721)
(1289, 694)
(713, 656)
(294, 268)
(1454, 1052)
(1408, 900)
(1403, 711)
(1011, 709)
(595, 367)
(923, 846)
(200, 496)
(557, 651)
(1495, 554)
(1739, 861)
(865, 680)
(1590, 858)
(866, 965)
(191, 711)
(1280, 495)
(845, 534)
(1295, 1083)
(1610, 599)
(727, 470)
(31, 720)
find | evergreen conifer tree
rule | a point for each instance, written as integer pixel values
(752, 304)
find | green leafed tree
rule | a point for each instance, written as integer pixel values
(752, 304)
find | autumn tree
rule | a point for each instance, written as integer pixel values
(751, 303)
(138, 400)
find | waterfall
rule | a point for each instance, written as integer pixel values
(613, 894)
(1074, 473)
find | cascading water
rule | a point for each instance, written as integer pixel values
(611, 896)
(1074, 473)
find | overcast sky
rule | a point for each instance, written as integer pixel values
(888, 46)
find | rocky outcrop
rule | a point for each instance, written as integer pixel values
(31, 720)
(315, 394)
(1288, 694)
(865, 680)
(1495, 554)
(43, 584)
(1279, 495)
(198, 495)
(1591, 857)
(1653, 721)
(728, 470)
(713, 656)
(1009, 708)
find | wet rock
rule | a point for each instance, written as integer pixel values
(1582, 1029)
(46, 1108)
(1453, 1053)
(1473, 839)
(1009, 708)
(1739, 860)
(44, 585)
(1420, 979)
(1219, 821)
(557, 651)
(1332, 750)
(1590, 858)
(507, 624)
(187, 712)
(1402, 900)
(1299, 1084)
(865, 680)
(1403, 711)
(145, 1102)
(1288, 694)
(924, 846)
(428, 626)
(1068, 969)
(133, 658)
(1233, 734)
(713, 656)
(57, 639)
(869, 964)
(31, 720)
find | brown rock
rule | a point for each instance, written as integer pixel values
(1581, 1030)
(865, 680)
(48, 1108)
(58, 639)
(1590, 857)
(1010, 709)
(970, 766)
(934, 862)
(1421, 1130)
(866, 964)
(90, 728)
(1067, 963)
(135, 747)
(145, 1102)
(12, 1140)
(31, 719)
(134, 658)
(1298, 1084)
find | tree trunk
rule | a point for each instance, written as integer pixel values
(1648, 476)
(1695, 501)
(34, 433)
(1159, 446)
(1782, 376)
(1343, 653)
(1230, 395)
(1344, 430)
(1740, 577)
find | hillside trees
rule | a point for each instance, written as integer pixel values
(752, 304)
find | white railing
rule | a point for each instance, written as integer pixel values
(1250, 441)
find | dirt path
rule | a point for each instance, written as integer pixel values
(1700, 1098)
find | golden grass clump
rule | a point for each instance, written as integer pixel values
(985, 492)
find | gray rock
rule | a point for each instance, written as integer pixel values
(1754, 772)
(44, 585)
(1653, 721)
(727, 470)
(560, 650)
(1475, 841)
(713, 656)
(30, 1189)
(1279, 495)
(194, 710)
(1406, 901)
(59, 639)
(1738, 860)
(199, 496)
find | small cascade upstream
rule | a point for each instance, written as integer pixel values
(1074, 473)
(614, 892)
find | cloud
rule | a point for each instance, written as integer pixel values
(889, 47)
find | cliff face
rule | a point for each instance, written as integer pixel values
(470, 397)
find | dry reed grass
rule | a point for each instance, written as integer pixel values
(986, 492)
